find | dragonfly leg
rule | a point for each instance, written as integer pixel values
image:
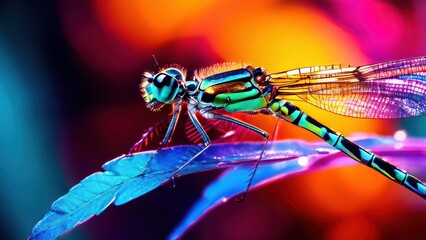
(167, 136)
(294, 115)
(264, 134)
(197, 152)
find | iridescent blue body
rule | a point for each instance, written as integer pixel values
(386, 90)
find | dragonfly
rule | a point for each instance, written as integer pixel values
(388, 90)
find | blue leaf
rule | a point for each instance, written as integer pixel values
(233, 181)
(90, 197)
(122, 181)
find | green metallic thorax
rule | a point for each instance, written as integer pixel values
(234, 91)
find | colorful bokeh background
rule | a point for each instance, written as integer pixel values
(69, 101)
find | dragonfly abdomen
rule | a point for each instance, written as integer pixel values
(294, 115)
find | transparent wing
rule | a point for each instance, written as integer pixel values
(394, 89)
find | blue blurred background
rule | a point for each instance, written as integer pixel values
(69, 101)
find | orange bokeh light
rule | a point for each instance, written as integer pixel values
(344, 192)
(144, 24)
(280, 38)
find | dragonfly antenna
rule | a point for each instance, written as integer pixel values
(156, 63)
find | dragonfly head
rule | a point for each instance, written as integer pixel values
(161, 88)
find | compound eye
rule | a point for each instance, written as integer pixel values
(165, 87)
(164, 80)
(174, 73)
